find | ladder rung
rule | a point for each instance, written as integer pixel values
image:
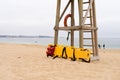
(87, 31)
(87, 45)
(87, 17)
(84, 9)
(87, 38)
(87, 24)
(85, 2)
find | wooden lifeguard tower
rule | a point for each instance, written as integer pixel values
(87, 24)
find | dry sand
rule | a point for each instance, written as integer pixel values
(29, 62)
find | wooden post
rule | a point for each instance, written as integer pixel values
(91, 16)
(80, 7)
(92, 31)
(72, 22)
(95, 31)
(57, 21)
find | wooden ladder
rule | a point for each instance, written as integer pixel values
(89, 20)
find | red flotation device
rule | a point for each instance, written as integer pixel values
(66, 18)
(50, 51)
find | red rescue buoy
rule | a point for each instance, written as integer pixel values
(50, 50)
(65, 19)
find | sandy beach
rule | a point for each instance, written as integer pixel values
(29, 62)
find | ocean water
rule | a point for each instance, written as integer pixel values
(109, 42)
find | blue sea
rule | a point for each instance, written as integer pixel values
(109, 42)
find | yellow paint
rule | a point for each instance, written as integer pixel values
(82, 54)
(69, 51)
(58, 50)
(77, 53)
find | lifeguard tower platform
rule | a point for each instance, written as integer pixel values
(86, 24)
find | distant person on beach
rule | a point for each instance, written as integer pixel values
(103, 46)
(99, 46)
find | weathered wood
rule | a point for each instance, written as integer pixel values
(88, 45)
(88, 9)
(87, 31)
(65, 10)
(72, 22)
(92, 31)
(87, 17)
(91, 15)
(88, 38)
(76, 28)
(95, 31)
(85, 2)
(84, 26)
(80, 9)
(85, 9)
(57, 21)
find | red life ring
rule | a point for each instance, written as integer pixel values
(66, 18)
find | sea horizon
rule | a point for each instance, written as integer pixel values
(45, 40)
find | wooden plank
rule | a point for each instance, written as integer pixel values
(86, 2)
(65, 10)
(85, 9)
(95, 31)
(88, 38)
(87, 17)
(57, 21)
(87, 24)
(92, 33)
(88, 9)
(89, 45)
(80, 9)
(91, 15)
(77, 28)
(85, 31)
(72, 22)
